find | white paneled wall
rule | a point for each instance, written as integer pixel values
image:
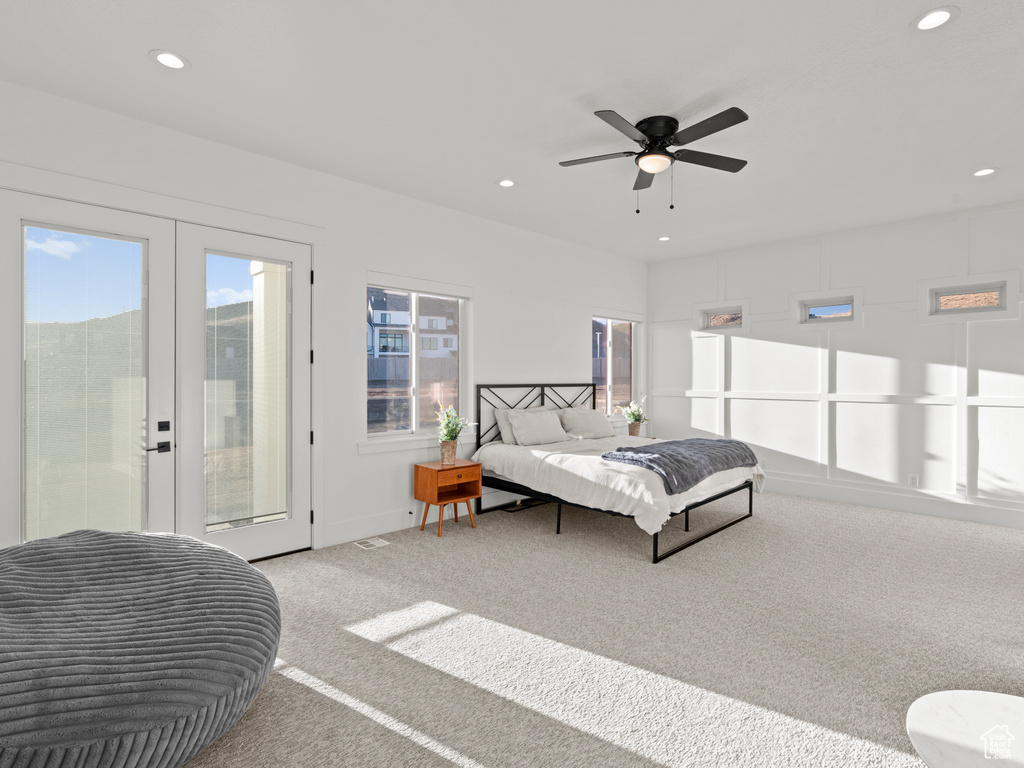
(892, 408)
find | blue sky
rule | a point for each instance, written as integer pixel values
(71, 277)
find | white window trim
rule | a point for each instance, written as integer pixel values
(415, 439)
(702, 316)
(929, 290)
(638, 346)
(801, 301)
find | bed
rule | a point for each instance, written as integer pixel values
(572, 472)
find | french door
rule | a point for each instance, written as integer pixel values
(118, 411)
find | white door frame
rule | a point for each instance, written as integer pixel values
(266, 538)
(19, 208)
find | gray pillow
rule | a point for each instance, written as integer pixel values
(501, 416)
(585, 423)
(537, 427)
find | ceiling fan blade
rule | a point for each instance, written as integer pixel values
(719, 162)
(619, 123)
(643, 180)
(595, 158)
(713, 124)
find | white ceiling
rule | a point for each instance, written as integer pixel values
(855, 118)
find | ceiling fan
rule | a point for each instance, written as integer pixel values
(656, 134)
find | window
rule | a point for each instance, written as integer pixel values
(612, 363)
(392, 342)
(975, 298)
(724, 318)
(447, 342)
(432, 323)
(826, 310)
(408, 378)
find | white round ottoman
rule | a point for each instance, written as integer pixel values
(123, 649)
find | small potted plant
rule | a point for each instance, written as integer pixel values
(449, 425)
(634, 413)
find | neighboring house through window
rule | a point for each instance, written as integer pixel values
(411, 373)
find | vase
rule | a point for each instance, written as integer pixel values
(634, 429)
(448, 451)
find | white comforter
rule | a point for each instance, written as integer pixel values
(575, 471)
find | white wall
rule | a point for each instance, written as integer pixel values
(848, 411)
(533, 297)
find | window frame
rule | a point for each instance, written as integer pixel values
(935, 296)
(422, 437)
(806, 305)
(635, 345)
(703, 312)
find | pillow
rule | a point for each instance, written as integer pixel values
(585, 422)
(504, 428)
(537, 427)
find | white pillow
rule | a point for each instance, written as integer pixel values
(504, 428)
(537, 427)
(585, 423)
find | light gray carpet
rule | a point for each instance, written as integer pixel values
(796, 638)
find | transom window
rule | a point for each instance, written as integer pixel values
(976, 298)
(409, 376)
(826, 310)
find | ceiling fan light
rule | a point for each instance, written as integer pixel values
(654, 162)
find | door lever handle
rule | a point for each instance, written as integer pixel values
(164, 447)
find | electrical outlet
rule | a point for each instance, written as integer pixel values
(913, 482)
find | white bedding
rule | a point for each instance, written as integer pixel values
(575, 471)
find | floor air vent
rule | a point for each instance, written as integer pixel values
(372, 543)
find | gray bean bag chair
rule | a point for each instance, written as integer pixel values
(127, 649)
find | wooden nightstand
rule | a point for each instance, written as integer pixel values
(443, 484)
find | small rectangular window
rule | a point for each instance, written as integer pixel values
(826, 310)
(385, 317)
(731, 317)
(975, 298)
(447, 342)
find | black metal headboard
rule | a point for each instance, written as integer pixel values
(491, 396)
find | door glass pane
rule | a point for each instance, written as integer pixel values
(599, 345)
(622, 363)
(438, 357)
(388, 361)
(247, 391)
(84, 397)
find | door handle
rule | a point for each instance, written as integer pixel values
(164, 447)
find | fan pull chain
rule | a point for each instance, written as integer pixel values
(672, 189)
(638, 201)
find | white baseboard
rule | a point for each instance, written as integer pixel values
(971, 510)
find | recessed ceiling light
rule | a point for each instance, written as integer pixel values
(506, 183)
(985, 172)
(168, 59)
(936, 17)
(663, 239)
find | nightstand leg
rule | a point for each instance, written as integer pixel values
(455, 506)
(440, 519)
(469, 506)
(426, 508)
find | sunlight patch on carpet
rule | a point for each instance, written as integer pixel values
(381, 718)
(654, 716)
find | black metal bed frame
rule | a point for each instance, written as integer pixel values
(534, 394)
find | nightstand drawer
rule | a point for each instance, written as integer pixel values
(456, 476)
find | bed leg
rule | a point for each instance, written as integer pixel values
(558, 523)
(654, 559)
(750, 503)
(686, 520)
